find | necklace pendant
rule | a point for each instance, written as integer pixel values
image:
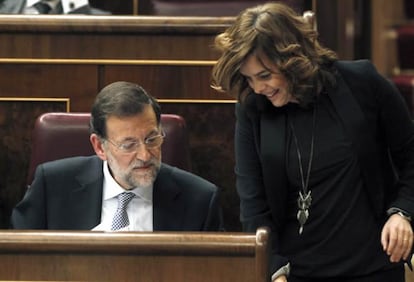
(304, 202)
(302, 216)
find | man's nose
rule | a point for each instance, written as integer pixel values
(142, 153)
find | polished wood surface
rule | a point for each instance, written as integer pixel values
(75, 56)
(130, 256)
(109, 37)
(81, 80)
(108, 24)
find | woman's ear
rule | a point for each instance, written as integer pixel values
(98, 146)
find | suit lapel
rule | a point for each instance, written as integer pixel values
(87, 198)
(166, 211)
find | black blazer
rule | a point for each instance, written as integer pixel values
(377, 120)
(67, 195)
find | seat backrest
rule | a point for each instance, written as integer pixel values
(60, 135)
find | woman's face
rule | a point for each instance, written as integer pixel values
(267, 81)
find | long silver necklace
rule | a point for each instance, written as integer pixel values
(305, 195)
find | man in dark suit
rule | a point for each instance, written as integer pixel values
(84, 193)
(48, 7)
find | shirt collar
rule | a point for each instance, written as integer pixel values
(67, 5)
(70, 5)
(30, 3)
(51, 3)
(112, 189)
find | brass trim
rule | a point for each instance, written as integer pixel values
(108, 62)
(135, 7)
(195, 101)
(19, 99)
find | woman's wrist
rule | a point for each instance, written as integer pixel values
(284, 270)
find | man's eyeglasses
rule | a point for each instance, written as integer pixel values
(151, 142)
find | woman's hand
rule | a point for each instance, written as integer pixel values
(397, 238)
(281, 278)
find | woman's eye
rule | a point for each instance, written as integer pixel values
(264, 76)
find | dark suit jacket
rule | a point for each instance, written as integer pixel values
(377, 120)
(17, 7)
(67, 195)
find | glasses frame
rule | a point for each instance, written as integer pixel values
(135, 144)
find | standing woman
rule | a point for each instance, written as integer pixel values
(324, 152)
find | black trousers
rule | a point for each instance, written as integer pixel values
(396, 274)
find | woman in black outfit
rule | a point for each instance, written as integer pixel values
(324, 151)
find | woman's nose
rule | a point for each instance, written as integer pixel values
(258, 87)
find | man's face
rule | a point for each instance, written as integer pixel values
(137, 167)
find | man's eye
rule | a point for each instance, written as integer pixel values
(127, 146)
(152, 140)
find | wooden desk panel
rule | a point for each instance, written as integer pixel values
(112, 46)
(131, 256)
(178, 81)
(109, 37)
(62, 267)
(77, 83)
(81, 80)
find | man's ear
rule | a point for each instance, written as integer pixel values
(98, 146)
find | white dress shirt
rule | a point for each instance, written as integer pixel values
(67, 5)
(139, 210)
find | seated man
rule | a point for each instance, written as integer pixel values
(48, 7)
(125, 186)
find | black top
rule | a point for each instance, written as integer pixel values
(376, 129)
(340, 214)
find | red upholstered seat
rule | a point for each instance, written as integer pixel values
(61, 135)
